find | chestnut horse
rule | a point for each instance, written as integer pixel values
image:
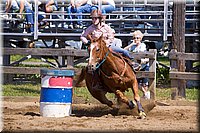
(115, 74)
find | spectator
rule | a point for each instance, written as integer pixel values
(51, 5)
(116, 41)
(138, 46)
(79, 7)
(11, 6)
(107, 7)
(25, 6)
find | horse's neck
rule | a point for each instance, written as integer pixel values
(111, 62)
(110, 59)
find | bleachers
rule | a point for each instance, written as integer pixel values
(153, 18)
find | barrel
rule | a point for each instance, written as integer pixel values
(56, 92)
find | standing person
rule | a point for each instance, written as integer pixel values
(79, 7)
(138, 46)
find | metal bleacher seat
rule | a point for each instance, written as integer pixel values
(153, 18)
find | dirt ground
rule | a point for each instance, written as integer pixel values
(21, 114)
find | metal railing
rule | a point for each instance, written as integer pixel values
(126, 19)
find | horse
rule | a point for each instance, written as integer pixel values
(115, 74)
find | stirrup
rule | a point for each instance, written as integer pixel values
(136, 66)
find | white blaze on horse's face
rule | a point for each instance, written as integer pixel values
(93, 57)
(92, 46)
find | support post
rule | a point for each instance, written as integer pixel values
(178, 38)
(152, 82)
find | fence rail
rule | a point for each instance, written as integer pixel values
(71, 54)
(175, 75)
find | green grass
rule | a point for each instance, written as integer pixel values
(164, 60)
(21, 90)
(17, 57)
(34, 90)
(192, 94)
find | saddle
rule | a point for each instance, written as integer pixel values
(135, 66)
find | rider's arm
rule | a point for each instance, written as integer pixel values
(83, 37)
(84, 40)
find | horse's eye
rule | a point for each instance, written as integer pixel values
(97, 49)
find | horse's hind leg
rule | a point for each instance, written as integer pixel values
(135, 90)
(137, 99)
(101, 97)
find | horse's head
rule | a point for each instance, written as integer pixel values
(96, 52)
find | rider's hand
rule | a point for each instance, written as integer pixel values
(88, 43)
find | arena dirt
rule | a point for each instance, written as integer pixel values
(22, 114)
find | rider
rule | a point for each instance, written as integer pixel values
(96, 30)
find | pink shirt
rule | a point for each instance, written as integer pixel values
(95, 33)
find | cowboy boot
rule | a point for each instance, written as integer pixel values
(135, 66)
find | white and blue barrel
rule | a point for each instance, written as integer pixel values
(56, 92)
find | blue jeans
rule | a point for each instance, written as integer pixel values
(30, 19)
(121, 50)
(145, 67)
(86, 8)
(104, 8)
(107, 9)
(71, 10)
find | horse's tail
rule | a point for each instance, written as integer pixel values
(79, 78)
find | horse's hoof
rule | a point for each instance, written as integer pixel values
(142, 115)
(115, 109)
(131, 104)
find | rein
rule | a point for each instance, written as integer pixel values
(122, 74)
(104, 59)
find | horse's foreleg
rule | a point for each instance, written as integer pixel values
(101, 97)
(80, 77)
(124, 99)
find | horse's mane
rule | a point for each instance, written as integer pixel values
(102, 43)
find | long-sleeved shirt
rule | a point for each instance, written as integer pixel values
(95, 33)
(139, 48)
